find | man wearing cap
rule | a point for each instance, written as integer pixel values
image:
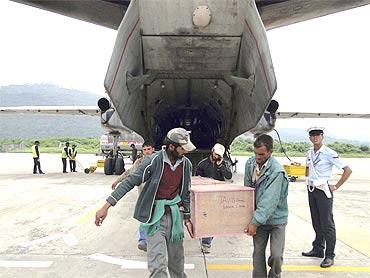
(213, 167)
(264, 173)
(320, 161)
(163, 204)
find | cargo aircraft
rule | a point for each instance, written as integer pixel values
(203, 65)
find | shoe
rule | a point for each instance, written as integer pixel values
(327, 262)
(314, 253)
(142, 246)
(206, 248)
(65, 172)
(35, 173)
(42, 173)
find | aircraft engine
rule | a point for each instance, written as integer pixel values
(268, 120)
(104, 104)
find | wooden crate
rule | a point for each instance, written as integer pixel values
(220, 208)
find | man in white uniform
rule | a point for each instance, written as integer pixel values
(320, 161)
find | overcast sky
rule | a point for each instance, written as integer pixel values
(321, 65)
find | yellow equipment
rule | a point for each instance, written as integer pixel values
(93, 167)
(295, 170)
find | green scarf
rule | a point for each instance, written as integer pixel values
(177, 232)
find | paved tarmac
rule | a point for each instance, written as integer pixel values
(47, 227)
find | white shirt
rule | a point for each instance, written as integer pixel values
(320, 164)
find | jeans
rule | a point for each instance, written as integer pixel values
(276, 233)
(141, 235)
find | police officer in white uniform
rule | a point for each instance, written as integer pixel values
(320, 161)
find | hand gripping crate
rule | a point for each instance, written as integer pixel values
(220, 208)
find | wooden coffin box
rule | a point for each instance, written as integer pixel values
(220, 208)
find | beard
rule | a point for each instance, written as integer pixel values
(174, 154)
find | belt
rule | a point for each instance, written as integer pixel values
(310, 188)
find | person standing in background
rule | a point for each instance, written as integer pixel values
(133, 152)
(36, 158)
(65, 155)
(320, 162)
(72, 158)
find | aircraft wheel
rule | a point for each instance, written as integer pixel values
(108, 166)
(292, 179)
(120, 166)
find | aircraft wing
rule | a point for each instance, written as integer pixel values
(301, 115)
(109, 121)
(279, 13)
(107, 13)
(54, 110)
(274, 13)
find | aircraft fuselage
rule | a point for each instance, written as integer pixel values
(206, 68)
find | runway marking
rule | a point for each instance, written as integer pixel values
(307, 268)
(35, 264)
(70, 239)
(127, 264)
(86, 217)
(41, 240)
(90, 214)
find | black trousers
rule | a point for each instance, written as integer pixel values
(64, 160)
(321, 208)
(72, 165)
(36, 165)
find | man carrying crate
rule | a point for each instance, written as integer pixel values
(264, 173)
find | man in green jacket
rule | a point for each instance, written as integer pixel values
(163, 204)
(268, 177)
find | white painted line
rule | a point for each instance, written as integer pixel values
(189, 266)
(41, 240)
(106, 259)
(127, 264)
(70, 239)
(36, 264)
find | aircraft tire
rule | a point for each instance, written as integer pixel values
(108, 166)
(120, 166)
